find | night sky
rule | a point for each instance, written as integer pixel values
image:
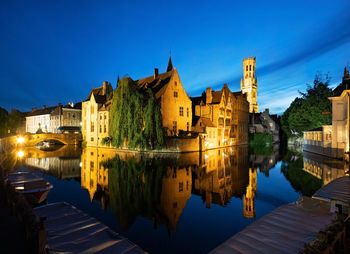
(56, 51)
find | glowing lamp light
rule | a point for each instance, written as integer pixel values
(80, 164)
(20, 154)
(20, 140)
(81, 123)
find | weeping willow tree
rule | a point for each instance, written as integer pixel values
(134, 188)
(136, 120)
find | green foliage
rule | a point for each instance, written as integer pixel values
(134, 188)
(260, 143)
(106, 141)
(136, 120)
(3, 122)
(292, 169)
(305, 112)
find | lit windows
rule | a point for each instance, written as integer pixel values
(181, 187)
(92, 126)
(181, 111)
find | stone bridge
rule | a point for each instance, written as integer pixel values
(27, 140)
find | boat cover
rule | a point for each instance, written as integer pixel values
(25, 181)
(337, 190)
(72, 231)
(284, 230)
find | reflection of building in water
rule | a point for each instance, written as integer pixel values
(323, 168)
(60, 167)
(267, 161)
(223, 174)
(249, 196)
(94, 177)
(176, 190)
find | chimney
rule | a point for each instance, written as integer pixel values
(104, 91)
(155, 72)
(60, 104)
(209, 96)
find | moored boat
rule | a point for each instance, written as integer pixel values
(32, 186)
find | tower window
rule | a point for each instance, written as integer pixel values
(246, 68)
(250, 67)
(175, 94)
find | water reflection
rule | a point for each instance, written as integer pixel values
(158, 187)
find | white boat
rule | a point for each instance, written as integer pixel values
(32, 186)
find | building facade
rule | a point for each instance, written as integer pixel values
(249, 83)
(221, 118)
(65, 116)
(95, 115)
(49, 119)
(175, 104)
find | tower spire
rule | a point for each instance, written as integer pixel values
(170, 64)
(117, 81)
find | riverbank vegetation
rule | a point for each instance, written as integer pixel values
(311, 110)
(260, 143)
(9, 123)
(136, 120)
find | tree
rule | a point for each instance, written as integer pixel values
(3, 121)
(306, 112)
(15, 120)
(136, 120)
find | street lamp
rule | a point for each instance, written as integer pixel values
(20, 140)
(20, 154)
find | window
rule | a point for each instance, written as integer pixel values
(188, 126)
(100, 117)
(92, 126)
(175, 94)
(181, 187)
(175, 83)
(105, 116)
(246, 68)
(181, 111)
(92, 139)
(100, 128)
(92, 165)
(250, 67)
(105, 128)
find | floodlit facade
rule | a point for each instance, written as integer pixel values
(249, 83)
(221, 118)
(175, 104)
(95, 115)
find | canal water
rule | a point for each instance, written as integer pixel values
(178, 203)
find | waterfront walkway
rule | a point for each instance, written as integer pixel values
(69, 230)
(285, 230)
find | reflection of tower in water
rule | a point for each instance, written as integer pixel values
(249, 196)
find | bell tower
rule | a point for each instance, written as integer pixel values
(249, 83)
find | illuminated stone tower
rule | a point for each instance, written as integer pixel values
(249, 83)
(249, 196)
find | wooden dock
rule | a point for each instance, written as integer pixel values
(69, 230)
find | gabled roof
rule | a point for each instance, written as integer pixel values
(157, 83)
(98, 93)
(106, 106)
(216, 96)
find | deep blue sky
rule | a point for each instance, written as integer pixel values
(56, 51)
